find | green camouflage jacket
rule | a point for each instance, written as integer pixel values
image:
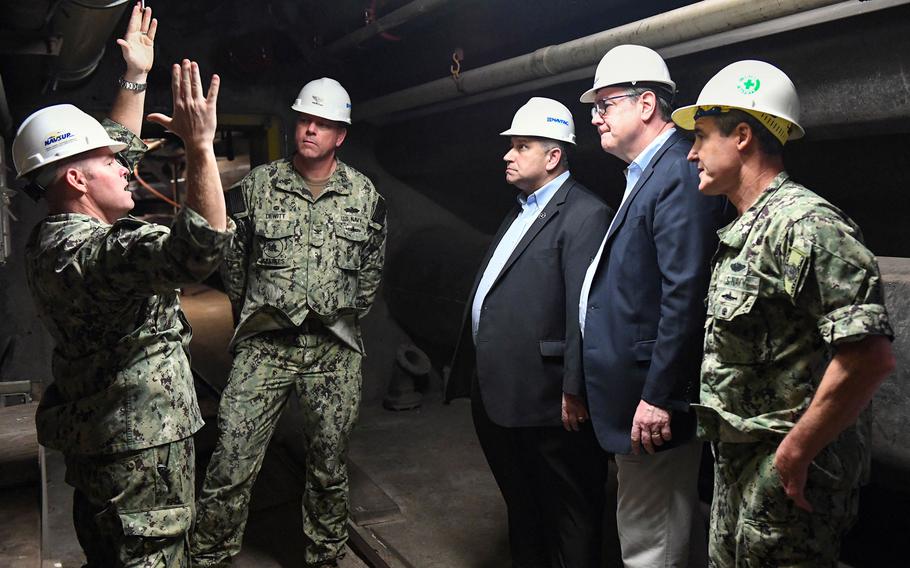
(107, 294)
(293, 255)
(791, 279)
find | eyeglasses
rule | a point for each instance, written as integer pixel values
(602, 107)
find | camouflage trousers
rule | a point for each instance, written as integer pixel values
(134, 509)
(325, 375)
(755, 524)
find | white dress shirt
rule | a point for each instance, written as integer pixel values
(531, 207)
(633, 174)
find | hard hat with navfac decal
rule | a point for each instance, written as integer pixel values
(544, 118)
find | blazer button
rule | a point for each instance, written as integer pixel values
(592, 307)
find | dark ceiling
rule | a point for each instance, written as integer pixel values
(270, 48)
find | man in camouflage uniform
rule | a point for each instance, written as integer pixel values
(303, 269)
(122, 408)
(797, 338)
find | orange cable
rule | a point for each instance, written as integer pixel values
(152, 190)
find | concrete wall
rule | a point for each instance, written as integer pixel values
(891, 405)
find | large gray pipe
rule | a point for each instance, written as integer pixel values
(385, 23)
(745, 33)
(86, 27)
(676, 26)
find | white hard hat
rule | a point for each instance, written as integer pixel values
(629, 64)
(325, 98)
(57, 132)
(545, 118)
(756, 87)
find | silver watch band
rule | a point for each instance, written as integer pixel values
(131, 86)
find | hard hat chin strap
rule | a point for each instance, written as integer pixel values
(39, 181)
(777, 126)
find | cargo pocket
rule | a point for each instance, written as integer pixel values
(163, 522)
(160, 537)
(735, 331)
(274, 243)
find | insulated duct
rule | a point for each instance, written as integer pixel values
(686, 24)
(86, 27)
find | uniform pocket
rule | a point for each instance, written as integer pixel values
(736, 331)
(352, 232)
(274, 243)
(163, 522)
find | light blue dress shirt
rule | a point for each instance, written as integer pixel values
(633, 174)
(531, 207)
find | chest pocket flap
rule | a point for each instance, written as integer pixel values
(737, 333)
(352, 228)
(735, 296)
(276, 229)
(274, 243)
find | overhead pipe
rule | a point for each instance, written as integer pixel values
(86, 27)
(669, 28)
(770, 27)
(385, 23)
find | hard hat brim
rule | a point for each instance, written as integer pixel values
(300, 108)
(588, 96)
(684, 117)
(110, 143)
(519, 132)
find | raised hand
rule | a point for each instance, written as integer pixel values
(138, 43)
(194, 119)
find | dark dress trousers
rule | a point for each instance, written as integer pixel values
(644, 324)
(551, 479)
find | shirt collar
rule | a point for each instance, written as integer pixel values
(642, 160)
(734, 235)
(542, 196)
(287, 178)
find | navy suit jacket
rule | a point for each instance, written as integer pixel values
(644, 325)
(524, 359)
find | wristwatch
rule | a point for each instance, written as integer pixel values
(130, 86)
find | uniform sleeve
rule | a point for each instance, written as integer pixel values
(139, 259)
(373, 259)
(236, 257)
(828, 271)
(135, 147)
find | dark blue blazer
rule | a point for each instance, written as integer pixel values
(524, 359)
(644, 325)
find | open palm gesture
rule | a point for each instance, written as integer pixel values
(138, 43)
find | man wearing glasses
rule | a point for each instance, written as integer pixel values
(641, 310)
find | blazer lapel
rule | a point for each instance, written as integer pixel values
(645, 175)
(544, 217)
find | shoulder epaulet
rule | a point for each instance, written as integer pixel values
(379, 211)
(129, 222)
(236, 202)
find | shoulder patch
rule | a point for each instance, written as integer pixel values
(794, 271)
(236, 202)
(379, 211)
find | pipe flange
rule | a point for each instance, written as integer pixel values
(412, 360)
